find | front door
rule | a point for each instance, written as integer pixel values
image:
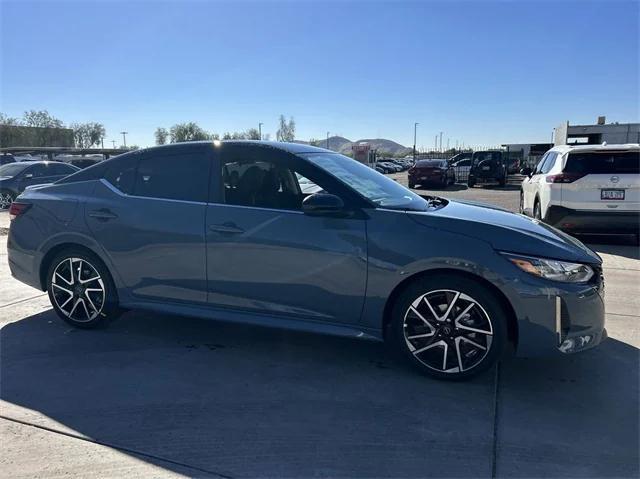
(265, 255)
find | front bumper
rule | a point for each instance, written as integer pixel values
(567, 318)
(595, 222)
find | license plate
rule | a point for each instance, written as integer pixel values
(486, 168)
(612, 194)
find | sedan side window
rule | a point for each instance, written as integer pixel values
(174, 177)
(262, 184)
(121, 173)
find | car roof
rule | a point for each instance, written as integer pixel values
(291, 147)
(599, 147)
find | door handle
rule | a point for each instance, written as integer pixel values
(226, 228)
(103, 215)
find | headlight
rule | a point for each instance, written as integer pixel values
(552, 268)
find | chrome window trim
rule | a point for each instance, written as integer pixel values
(118, 192)
(277, 210)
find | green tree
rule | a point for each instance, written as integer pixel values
(287, 129)
(187, 132)
(41, 119)
(252, 134)
(161, 135)
(9, 120)
(88, 134)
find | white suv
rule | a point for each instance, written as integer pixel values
(586, 189)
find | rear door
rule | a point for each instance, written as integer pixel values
(148, 214)
(602, 180)
(265, 255)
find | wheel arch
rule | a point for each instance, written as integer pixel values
(52, 252)
(512, 321)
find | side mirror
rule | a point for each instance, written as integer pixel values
(321, 204)
(526, 171)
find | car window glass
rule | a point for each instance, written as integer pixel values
(60, 169)
(120, 172)
(38, 171)
(605, 163)
(538, 168)
(173, 177)
(262, 184)
(548, 163)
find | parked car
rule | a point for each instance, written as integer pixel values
(487, 167)
(461, 168)
(426, 172)
(15, 177)
(388, 167)
(222, 230)
(585, 189)
(7, 158)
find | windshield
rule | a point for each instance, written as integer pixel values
(375, 187)
(12, 169)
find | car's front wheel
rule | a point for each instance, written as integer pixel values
(6, 198)
(81, 290)
(450, 327)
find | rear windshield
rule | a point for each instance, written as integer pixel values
(486, 155)
(436, 163)
(604, 163)
(12, 169)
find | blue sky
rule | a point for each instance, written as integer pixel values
(482, 72)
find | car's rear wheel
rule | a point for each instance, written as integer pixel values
(81, 289)
(6, 198)
(521, 202)
(471, 183)
(412, 185)
(449, 327)
(537, 213)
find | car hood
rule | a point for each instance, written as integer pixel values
(506, 231)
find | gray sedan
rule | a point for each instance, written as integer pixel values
(225, 230)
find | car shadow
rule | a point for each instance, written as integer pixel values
(240, 400)
(617, 245)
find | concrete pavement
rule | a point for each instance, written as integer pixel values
(156, 396)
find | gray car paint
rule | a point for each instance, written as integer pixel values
(321, 274)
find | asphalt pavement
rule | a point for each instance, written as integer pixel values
(159, 396)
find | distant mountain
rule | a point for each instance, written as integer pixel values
(343, 145)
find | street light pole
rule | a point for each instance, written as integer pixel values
(113, 142)
(124, 138)
(327, 140)
(260, 129)
(415, 132)
(440, 141)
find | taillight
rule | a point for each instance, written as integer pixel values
(564, 178)
(17, 209)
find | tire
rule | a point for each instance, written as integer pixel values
(412, 185)
(83, 302)
(537, 213)
(521, 202)
(6, 198)
(502, 181)
(461, 303)
(471, 183)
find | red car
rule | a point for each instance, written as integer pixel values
(439, 172)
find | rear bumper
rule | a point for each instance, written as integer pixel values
(605, 222)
